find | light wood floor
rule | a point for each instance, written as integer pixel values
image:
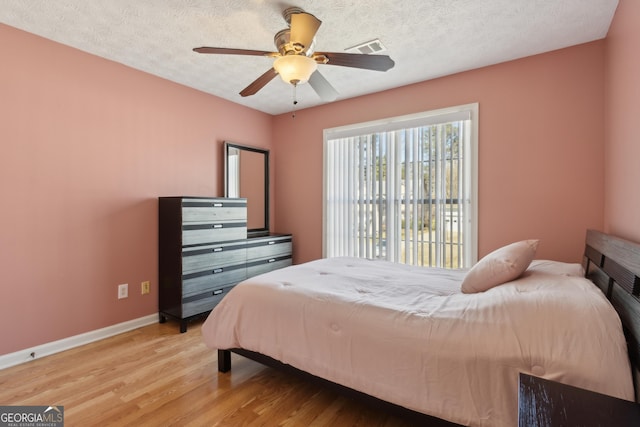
(155, 376)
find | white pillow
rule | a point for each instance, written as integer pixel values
(557, 267)
(500, 266)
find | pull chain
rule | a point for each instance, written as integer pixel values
(295, 101)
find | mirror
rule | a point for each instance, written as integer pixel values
(247, 175)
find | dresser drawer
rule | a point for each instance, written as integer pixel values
(197, 283)
(207, 257)
(267, 265)
(213, 210)
(197, 234)
(204, 302)
(268, 248)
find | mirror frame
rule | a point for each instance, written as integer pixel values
(228, 146)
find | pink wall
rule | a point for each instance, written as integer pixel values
(87, 146)
(541, 137)
(622, 136)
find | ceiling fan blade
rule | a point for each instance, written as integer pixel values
(357, 60)
(259, 83)
(228, 51)
(303, 29)
(323, 88)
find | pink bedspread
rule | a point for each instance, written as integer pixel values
(409, 336)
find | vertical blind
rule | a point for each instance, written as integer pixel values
(404, 194)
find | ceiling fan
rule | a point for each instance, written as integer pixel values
(296, 61)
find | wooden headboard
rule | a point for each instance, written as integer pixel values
(613, 264)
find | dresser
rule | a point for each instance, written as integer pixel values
(204, 251)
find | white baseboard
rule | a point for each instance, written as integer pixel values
(28, 354)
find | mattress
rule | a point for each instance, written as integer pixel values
(409, 336)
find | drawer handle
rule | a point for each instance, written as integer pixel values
(272, 242)
(217, 292)
(217, 205)
(272, 260)
(217, 249)
(217, 225)
(217, 270)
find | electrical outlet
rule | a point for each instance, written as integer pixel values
(145, 287)
(123, 291)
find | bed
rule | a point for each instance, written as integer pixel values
(408, 338)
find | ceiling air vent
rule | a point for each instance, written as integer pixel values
(372, 46)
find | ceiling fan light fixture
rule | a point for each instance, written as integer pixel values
(295, 69)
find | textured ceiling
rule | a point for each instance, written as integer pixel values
(425, 38)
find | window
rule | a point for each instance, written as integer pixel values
(404, 189)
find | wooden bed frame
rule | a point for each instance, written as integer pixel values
(612, 263)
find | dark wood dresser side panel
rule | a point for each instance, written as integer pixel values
(169, 255)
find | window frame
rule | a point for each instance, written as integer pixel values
(425, 118)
